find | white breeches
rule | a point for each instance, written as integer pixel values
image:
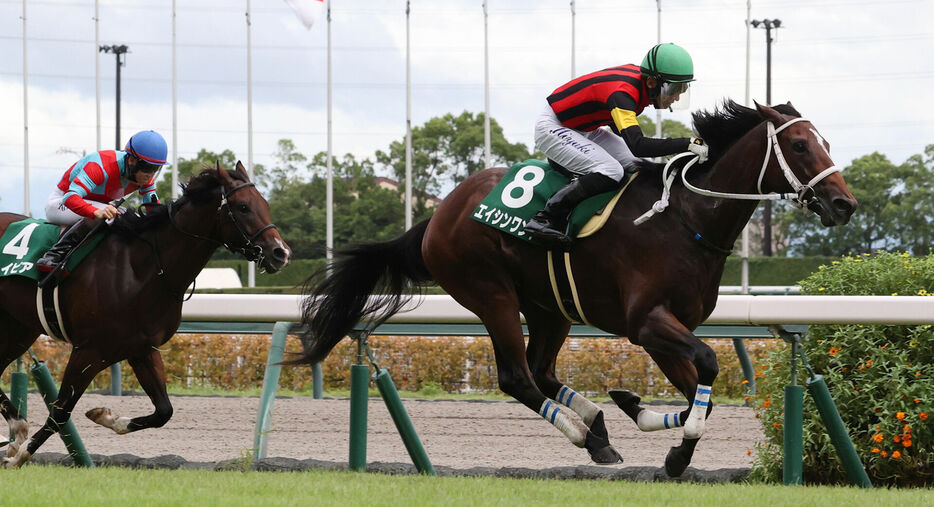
(598, 151)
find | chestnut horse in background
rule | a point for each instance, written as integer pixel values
(653, 283)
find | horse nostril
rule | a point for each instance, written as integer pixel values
(844, 206)
(280, 255)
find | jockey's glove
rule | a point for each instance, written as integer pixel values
(698, 147)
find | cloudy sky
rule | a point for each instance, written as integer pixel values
(861, 70)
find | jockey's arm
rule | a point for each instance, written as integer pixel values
(622, 109)
(90, 177)
(147, 193)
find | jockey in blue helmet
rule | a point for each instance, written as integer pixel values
(84, 192)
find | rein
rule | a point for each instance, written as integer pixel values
(799, 196)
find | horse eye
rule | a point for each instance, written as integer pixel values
(243, 208)
(799, 146)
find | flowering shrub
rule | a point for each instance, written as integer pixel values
(879, 376)
(591, 366)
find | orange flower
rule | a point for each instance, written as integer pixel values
(869, 363)
(884, 454)
(907, 429)
(896, 439)
(918, 374)
(906, 443)
(896, 455)
(776, 425)
(744, 382)
(875, 449)
(748, 452)
(923, 416)
(878, 437)
(900, 416)
(877, 427)
(833, 351)
(917, 400)
(767, 404)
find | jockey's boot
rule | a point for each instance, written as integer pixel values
(69, 240)
(549, 226)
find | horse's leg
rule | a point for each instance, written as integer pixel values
(151, 375)
(547, 333)
(691, 366)
(16, 340)
(82, 366)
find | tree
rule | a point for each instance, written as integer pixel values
(670, 128)
(188, 167)
(449, 148)
(880, 222)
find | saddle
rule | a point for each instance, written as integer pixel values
(526, 187)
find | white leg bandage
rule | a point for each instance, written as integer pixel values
(649, 420)
(573, 429)
(582, 406)
(694, 426)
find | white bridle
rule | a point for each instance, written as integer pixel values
(800, 189)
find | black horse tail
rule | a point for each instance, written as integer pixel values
(393, 271)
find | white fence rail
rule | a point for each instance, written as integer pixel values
(731, 309)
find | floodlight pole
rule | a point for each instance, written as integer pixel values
(118, 51)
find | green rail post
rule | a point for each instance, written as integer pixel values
(19, 389)
(69, 434)
(116, 380)
(359, 396)
(270, 386)
(317, 381)
(838, 434)
(400, 417)
(793, 445)
(749, 373)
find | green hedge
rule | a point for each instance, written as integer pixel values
(881, 378)
(772, 270)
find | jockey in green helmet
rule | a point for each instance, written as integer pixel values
(569, 132)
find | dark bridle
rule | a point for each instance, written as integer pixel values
(250, 250)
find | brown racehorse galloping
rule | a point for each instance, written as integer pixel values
(125, 300)
(653, 283)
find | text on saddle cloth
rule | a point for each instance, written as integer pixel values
(25, 241)
(524, 190)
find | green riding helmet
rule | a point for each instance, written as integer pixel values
(668, 62)
(671, 65)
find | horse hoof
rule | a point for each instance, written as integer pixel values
(601, 452)
(676, 462)
(100, 415)
(606, 456)
(628, 402)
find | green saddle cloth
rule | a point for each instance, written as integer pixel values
(523, 191)
(25, 241)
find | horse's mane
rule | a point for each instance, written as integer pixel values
(200, 189)
(724, 126)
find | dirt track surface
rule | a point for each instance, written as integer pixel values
(455, 434)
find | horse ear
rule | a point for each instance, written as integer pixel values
(768, 113)
(242, 169)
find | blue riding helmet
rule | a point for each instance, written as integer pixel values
(148, 147)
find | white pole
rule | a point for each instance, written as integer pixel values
(486, 89)
(744, 273)
(329, 200)
(174, 108)
(658, 112)
(97, 68)
(251, 267)
(573, 40)
(408, 121)
(25, 123)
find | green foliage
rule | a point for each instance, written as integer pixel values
(772, 270)
(448, 149)
(879, 376)
(894, 211)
